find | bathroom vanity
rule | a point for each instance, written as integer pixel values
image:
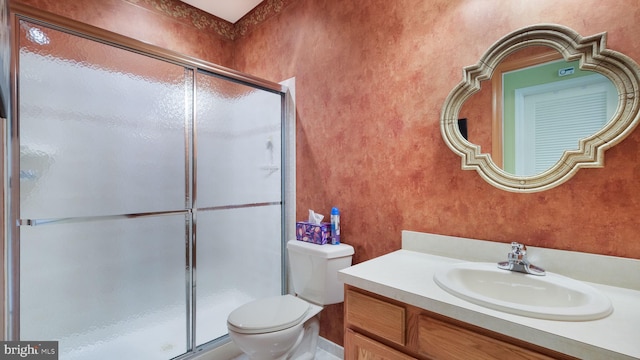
(395, 310)
(373, 321)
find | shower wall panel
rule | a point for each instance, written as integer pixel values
(100, 122)
(238, 199)
(106, 289)
(104, 202)
(238, 136)
(239, 255)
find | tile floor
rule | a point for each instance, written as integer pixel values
(326, 351)
(320, 355)
(325, 355)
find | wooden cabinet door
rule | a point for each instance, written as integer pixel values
(440, 340)
(377, 317)
(360, 347)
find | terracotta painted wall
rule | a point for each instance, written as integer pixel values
(372, 76)
(371, 79)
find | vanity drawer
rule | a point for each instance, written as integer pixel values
(377, 317)
(360, 347)
(441, 340)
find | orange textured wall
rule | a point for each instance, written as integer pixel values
(371, 79)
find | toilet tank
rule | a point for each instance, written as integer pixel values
(314, 270)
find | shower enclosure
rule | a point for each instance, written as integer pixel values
(152, 198)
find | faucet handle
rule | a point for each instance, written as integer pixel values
(518, 251)
(517, 261)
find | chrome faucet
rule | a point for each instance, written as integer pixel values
(517, 261)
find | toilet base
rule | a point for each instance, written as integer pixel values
(306, 350)
(302, 343)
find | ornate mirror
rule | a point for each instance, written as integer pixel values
(539, 105)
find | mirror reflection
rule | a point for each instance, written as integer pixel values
(535, 107)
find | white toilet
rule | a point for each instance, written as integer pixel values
(286, 326)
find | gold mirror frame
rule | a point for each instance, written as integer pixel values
(594, 56)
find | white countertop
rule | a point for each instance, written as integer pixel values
(407, 276)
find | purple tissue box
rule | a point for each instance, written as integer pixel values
(313, 233)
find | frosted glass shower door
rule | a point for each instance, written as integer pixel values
(238, 199)
(104, 205)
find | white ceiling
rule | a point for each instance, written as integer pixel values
(230, 10)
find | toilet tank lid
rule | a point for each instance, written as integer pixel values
(326, 251)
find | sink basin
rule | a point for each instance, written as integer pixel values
(552, 297)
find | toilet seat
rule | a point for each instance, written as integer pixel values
(268, 315)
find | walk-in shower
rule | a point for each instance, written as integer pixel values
(150, 194)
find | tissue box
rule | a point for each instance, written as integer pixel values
(313, 233)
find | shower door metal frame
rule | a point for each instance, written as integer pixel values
(11, 160)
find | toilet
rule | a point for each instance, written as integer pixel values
(287, 326)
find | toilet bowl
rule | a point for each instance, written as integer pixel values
(274, 327)
(286, 326)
